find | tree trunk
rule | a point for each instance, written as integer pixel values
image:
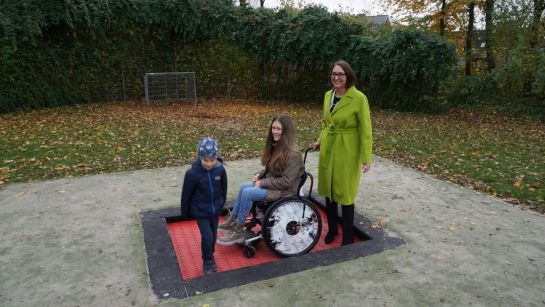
(489, 24)
(243, 2)
(442, 19)
(539, 6)
(469, 51)
(261, 2)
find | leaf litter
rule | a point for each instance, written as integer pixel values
(495, 153)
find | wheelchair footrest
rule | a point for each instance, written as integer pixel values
(250, 237)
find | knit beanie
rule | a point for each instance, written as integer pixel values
(208, 148)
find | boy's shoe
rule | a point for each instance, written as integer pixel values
(228, 223)
(214, 265)
(208, 267)
(235, 235)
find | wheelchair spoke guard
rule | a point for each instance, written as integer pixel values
(292, 226)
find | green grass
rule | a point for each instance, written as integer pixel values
(500, 154)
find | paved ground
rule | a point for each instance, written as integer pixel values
(79, 242)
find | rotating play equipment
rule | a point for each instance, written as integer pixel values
(289, 226)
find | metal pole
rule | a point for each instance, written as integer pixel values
(166, 90)
(123, 80)
(176, 87)
(146, 89)
(195, 89)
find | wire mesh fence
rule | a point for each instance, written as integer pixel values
(170, 86)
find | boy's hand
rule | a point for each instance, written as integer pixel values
(256, 178)
(257, 183)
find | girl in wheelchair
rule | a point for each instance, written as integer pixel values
(283, 168)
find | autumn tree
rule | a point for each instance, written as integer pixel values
(437, 15)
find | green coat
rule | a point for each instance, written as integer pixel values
(345, 144)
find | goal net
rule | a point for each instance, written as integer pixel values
(170, 86)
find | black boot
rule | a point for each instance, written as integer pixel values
(348, 224)
(332, 220)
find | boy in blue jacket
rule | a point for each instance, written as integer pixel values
(203, 196)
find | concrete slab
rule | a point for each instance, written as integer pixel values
(79, 241)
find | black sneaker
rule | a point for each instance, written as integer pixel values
(214, 265)
(208, 267)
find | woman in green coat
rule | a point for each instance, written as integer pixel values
(345, 148)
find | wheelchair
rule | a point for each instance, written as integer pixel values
(289, 226)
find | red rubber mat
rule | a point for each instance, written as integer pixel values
(187, 246)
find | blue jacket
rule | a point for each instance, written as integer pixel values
(204, 192)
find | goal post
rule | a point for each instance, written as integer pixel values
(168, 86)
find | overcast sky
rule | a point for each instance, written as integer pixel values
(373, 7)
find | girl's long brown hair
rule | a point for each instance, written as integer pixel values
(276, 156)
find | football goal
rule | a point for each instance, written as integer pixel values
(170, 86)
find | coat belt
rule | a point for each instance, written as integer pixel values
(334, 132)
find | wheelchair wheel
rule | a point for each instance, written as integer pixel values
(249, 251)
(292, 226)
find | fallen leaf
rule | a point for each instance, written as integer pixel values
(440, 258)
(61, 191)
(19, 194)
(406, 210)
(512, 200)
(381, 224)
(518, 182)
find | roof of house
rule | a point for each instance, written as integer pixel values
(378, 20)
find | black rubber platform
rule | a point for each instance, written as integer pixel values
(167, 282)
